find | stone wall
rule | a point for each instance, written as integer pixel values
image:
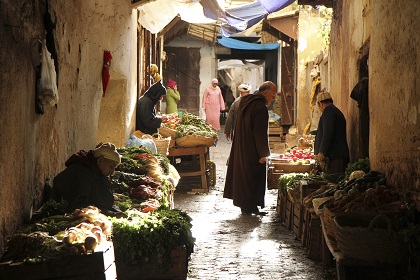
(35, 146)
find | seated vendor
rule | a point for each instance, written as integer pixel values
(85, 181)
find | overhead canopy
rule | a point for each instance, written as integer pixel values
(286, 24)
(243, 17)
(240, 45)
(155, 15)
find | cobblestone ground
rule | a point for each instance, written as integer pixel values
(230, 245)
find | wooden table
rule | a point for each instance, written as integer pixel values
(203, 153)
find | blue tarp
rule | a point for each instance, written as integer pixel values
(243, 17)
(239, 45)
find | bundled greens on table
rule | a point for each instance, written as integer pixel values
(192, 124)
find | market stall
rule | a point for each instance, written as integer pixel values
(190, 152)
(299, 159)
(153, 240)
(358, 220)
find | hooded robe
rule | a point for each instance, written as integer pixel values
(246, 177)
(146, 119)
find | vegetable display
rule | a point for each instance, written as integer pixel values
(190, 124)
(141, 236)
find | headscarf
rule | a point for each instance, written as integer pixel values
(107, 150)
(171, 83)
(155, 92)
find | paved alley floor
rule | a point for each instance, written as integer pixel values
(230, 245)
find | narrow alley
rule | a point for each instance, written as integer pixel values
(230, 245)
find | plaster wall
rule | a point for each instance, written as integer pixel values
(394, 100)
(36, 146)
(208, 71)
(309, 46)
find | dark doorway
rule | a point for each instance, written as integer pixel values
(183, 66)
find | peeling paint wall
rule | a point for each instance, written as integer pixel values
(34, 146)
(394, 68)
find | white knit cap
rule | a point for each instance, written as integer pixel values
(323, 95)
(244, 87)
(107, 150)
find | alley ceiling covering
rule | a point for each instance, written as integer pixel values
(206, 18)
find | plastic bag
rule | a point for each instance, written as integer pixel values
(47, 92)
(137, 142)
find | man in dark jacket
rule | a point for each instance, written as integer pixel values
(146, 119)
(331, 147)
(85, 181)
(246, 173)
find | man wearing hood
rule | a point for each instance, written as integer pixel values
(146, 119)
(246, 173)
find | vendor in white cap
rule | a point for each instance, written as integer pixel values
(85, 181)
(330, 146)
(244, 89)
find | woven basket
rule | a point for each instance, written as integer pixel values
(328, 223)
(167, 132)
(162, 144)
(364, 236)
(138, 134)
(194, 141)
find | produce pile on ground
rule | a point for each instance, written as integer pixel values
(190, 124)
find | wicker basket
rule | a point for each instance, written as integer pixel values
(162, 144)
(138, 134)
(167, 132)
(364, 236)
(194, 141)
(328, 223)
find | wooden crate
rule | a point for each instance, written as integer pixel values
(97, 266)
(315, 238)
(306, 218)
(307, 188)
(297, 220)
(282, 167)
(281, 206)
(151, 270)
(288, 219)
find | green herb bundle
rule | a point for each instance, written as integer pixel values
(144, 236)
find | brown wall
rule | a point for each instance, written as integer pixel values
(36, 146)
